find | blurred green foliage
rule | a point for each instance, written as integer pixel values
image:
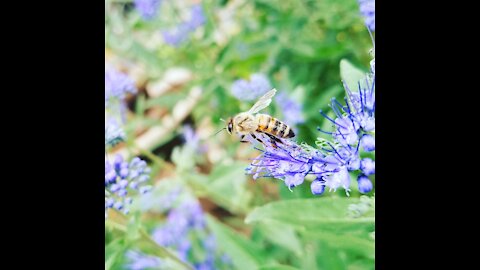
(305, 48)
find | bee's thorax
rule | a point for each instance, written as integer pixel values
(245, 123)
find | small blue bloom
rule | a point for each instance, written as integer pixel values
(368, 143)
(197, 18)
(114, 134)
(294, 180)
(364, 184)
(353, 164)
(117, 85)
(362, 103)
(291, 110)
(341, 178)
(367, 166)
(180, 221)
(176, 35)
(140, 261)
(118, 205)
(251, 89)
(179, 33)
(346, 132)
(185, 220)
(120, 177)
(317, 187)
(192, 140)
(367, 8)
(148, 9)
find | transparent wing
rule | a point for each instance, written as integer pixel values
(263, 102)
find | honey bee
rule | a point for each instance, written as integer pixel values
(251, 123)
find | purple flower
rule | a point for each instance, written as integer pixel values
(346, 132)
(179, 33)
(192, 139)
(317, 187)
(291, 110)
(197, 18)
(367, 8)
(148, 9)
(361, 104)
(140, 261)
(367, 166)
(291, 163)
(364, 184)
(294, 180)
(180, 220)
(341, 178)
(123, 178)
(252, 89)
(114, 134)
(117, 85)
(184, 222)
(368, 143)
(176, 35)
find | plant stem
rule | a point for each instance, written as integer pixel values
(162, 252)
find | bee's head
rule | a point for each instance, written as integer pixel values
(230, 126)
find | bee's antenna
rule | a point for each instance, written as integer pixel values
(221, 119)
(217, 132)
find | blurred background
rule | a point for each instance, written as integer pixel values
(173, 70)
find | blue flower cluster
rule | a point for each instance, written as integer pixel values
(367, 8)
(291, 110)
(175, 36)
(121, 179)
(141, 261)
(184, 221)
(148, 9)
(330, 164)
(117, 85)
(252, 89)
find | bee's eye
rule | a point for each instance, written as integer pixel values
(230, 127)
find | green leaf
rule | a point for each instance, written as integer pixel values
(183, 157)
(351, 75)
(282, 235)
(277, 267)
(110, 261)
(328, 213)
(346, 242)
(112, 253)
(243, 252)
(226, 186)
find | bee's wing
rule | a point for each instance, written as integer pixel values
(263, 102)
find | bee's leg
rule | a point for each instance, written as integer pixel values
(274, 139)
(273, 144)
(241, 139)
(258, 139)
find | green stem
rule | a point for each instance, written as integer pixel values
(162, 252)
(158, 161)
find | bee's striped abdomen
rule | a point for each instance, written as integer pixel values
(274, 127)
